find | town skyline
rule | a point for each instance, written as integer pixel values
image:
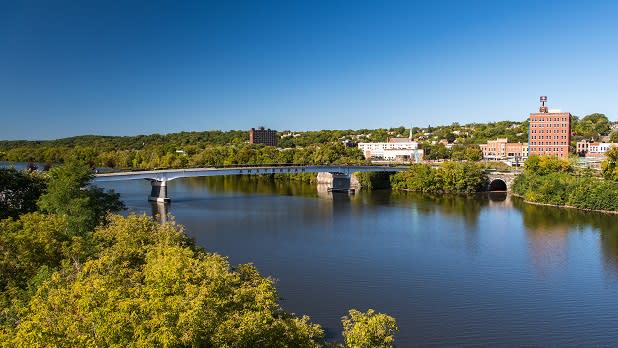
(126, 69)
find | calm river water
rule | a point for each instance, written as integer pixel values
(479, 270)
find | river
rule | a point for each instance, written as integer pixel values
(453, 270)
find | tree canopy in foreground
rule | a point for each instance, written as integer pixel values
(74, 275)
(147, 284)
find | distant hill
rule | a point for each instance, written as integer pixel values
(132, 142)
(468, 133)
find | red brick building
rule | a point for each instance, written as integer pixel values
(549, 132)
(501, 149)
(263, 136)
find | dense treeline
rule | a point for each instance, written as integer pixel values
(550, 180)
(122, 151)
(476, 133)
(135, 142)
(591, 126)
(73, 275)
(452, 177)
(165, 156)
(455, 153)
(186, 149)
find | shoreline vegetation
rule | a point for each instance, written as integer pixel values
(563, 206)
(546, 181)
(450, 177)
(554, 181)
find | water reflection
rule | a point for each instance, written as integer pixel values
(468, 207)
(546, 228)
(609, 250)
(498, 196)
(549, 227)
(337, 198)
(160, 211)
(250, 184)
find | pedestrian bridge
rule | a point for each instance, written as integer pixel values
(340, 175)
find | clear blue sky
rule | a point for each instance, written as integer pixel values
(140, 67)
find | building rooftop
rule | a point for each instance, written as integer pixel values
(399, 140)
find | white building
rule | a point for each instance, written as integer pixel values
(601, 147)
(592, 149)
(396, 149)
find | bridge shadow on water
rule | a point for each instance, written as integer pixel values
(245, 184)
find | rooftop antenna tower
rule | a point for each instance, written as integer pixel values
(543, 108)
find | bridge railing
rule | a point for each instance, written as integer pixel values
(260, 165)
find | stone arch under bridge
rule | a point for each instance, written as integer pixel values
(501, 181)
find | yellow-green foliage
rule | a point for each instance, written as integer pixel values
(32, 241)
(369, 330)
(464, 177)
(131, 282)
(542, 165)
(609, 167)
(148, 286)
(551, 180)
(165, 155)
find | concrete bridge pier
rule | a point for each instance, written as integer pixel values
(338, 181)
(158, 193)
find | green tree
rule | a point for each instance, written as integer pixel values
(148, 285)
(19, 191)
(438, 151)
(545, 164)
(369, 329)
(561, 188)
(30, 242)
(473, 153)
(420, 177)
(613, 137)
(462, 177)
(592, 126)
(69, 194)
(609, 167)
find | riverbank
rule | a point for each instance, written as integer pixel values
(565, 189)
(610, 212)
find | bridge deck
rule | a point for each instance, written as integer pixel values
(171, 174)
